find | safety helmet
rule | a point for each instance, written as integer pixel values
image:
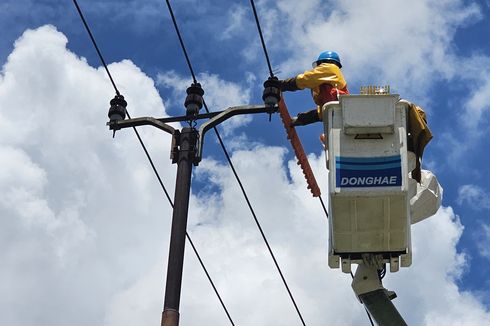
(328, 56)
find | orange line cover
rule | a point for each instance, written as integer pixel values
(298, 149)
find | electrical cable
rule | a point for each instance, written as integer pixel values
(262, 38)
(323, 205)
(260, 229)
(382, 272)
(153, 165)
(95, 45)
(252, 2)
(186, 234)
(272, 75)
(181, 42)
(234, 171)
(367, 312)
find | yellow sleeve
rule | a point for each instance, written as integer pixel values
(324, 73)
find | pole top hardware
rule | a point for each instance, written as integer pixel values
(193, 102)
(272, 92)
(213, 119)
(117, 110)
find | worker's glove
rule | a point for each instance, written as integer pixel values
(273, 82)
(294, 122)
(284, 85)
(305, 118)
(288, 85)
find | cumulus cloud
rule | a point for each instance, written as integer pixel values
(482, 237)
(297, 231)
(477, 106)
(410, 45)
(473, 195)
(75, 205)
(236, 19)
(84, 224)
(405, 44)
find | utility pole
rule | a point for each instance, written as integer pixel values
(185, 158)
(187, 145)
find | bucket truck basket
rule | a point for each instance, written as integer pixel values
(369, 201)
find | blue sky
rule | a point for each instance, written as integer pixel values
(84, 221)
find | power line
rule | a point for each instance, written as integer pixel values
(181, 42)
(367, 312)
(262, 38)
(234, 170)
(323, 206)
(152, 164)
(186, 233)
(261, 231)
(271, 74)
(252, 2)
(95, 45)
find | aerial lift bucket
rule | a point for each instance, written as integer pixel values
(368, 180)
(369, 194)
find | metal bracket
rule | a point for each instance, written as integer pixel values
(120, 124)
(370, 291)
(174, 147)
(224, 115)
(366, 280)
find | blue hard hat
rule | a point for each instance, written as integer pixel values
(328, 55)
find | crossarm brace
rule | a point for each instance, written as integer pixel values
(226, 114)
(120, 124)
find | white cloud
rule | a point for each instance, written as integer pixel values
(482, 240)
(95, 198)
(297, 231)
(236, 20)
(73, 213)
(408, 45)
(473, 195)
(477, 106)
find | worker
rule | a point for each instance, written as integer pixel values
(325, 81)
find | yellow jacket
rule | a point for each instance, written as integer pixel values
(324, 74)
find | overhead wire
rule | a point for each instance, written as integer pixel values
(252, 2)
(95, 45)
(220, 140)
(367, 312)
(181, 42)
(271, 73)
(152, 164)
(323, 206)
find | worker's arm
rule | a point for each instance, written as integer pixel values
(306, 118)
(326, 73)
(289, 85)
